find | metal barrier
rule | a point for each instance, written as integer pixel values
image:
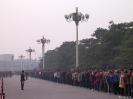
(2, 90)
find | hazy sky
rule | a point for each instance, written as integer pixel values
(22, 22)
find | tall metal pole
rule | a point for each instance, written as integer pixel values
(43, 55)
(4, 65)
(12, 66)
(77, 22)
(21, 63)
(77, 63)
(23, 66)
(27, 60)
(30, 59)
(35, 60)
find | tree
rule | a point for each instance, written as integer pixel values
(108, 48)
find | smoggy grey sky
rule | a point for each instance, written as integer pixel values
(22, 22)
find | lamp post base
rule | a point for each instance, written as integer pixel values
(76, 68)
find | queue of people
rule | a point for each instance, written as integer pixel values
(115, 82)
(6, 73)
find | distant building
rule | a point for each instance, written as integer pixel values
(15, 65)
(8, 63)
(7, 57)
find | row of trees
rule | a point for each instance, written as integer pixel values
(112, 47)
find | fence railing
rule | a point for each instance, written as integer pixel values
(2, 89)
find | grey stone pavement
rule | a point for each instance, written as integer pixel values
(41, 89)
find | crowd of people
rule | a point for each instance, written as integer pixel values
(115, 82)
(6, 73)
(11, 73)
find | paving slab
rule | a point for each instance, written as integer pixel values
(41, 89)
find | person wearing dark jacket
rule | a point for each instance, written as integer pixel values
(115, 82)
(128, 82)
(83, 79)
(110, 82)
(131, 85)
(87, 79)
(97, 77)
(22, 79)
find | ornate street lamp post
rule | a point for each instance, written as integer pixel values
(27, 59)
(21, 56)
(76, 16)
(30, 51)
(43, 41)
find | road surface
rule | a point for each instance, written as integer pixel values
(41, 89)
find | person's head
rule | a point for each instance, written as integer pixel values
(98, 72)
(115, 72)
(129, 70)
(132, 74)
(101, 73)
(122, 72)
(22, 71)
(110, 72)
(125, 70)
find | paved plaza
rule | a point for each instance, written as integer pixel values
(41, 89)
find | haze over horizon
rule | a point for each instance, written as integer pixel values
(23, 22)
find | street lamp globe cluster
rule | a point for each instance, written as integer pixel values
(43, 41)
(30, 50)
(21, 56)
(77, 16)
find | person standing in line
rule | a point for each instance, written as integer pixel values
(79, 79)
(55, 76)
(125, 84)
(131, 84)
(129, 74)
(10, 73)
(76, 78)
(26, 74)
(121, 84)
(115, 82)
(58, 76)
(97, 76)
(101, 81)
(83, 79)
(105, 81)
(22, 79)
